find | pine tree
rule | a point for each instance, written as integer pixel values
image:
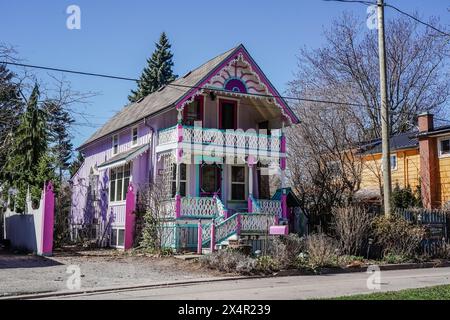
(76, 164)
(11, 109)
(25, 167)
(158, 71)
(59, 121)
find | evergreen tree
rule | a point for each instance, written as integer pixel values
(59, 121)
(158, 71)
(76, 164)
(11, 109)
(25, 167)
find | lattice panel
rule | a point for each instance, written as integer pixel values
(167, 136)
(226, 228)
(198, 207)
(270, 207)
(256, 222)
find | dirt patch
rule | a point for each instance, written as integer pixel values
(21, 274)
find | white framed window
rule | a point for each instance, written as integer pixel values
(118, 183)
(444, 147)
(117, 238)
(394, 162)
(134, 136)
(238, 183)
(183, 180)
(115, 143)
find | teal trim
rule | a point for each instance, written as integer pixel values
(166, 129)
(226, 237)
(195, 217)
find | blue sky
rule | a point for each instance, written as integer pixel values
(117, 36)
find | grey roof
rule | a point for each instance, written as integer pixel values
(400, 141)
(125, 156)
(157, 101)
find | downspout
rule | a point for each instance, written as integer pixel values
(150, 156)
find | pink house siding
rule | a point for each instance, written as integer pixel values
(96, 154)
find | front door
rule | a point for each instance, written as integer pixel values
(210, 179)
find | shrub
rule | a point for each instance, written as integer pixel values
(352, 225)
(396, 236)
(322, 251)
(228, 260)
(285, 250)
(266, 264)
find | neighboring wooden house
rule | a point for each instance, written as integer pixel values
(418, 158)
(217, 174)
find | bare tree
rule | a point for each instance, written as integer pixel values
(157, 232)
(346, 68)
(324, 169)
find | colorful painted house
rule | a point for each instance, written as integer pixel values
(420, 158)
(216, 134)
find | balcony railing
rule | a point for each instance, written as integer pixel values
(237, 140)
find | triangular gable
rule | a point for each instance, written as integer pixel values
(239, 75)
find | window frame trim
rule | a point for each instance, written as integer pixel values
(439, 141)
(118, 202)
(113, 145)
(132, 136)
(245, 183)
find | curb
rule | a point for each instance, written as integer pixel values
(122, 288)
(282, 273)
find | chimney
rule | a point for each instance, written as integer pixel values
(425, 122)
(428, 162)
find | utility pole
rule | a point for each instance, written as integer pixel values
(385, 129)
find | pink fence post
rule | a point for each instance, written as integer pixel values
(199, 237)
(48, 218)
(249, 204)
(177, 206)
(238, 224)
(284, 204)
(213, 238)
(130, 207)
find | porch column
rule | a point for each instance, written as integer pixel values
(199, 237)
(179, 154)
(251, 162)
(283, 169)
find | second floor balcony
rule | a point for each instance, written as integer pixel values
(218, 142)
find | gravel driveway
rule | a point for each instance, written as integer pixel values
(21, 274)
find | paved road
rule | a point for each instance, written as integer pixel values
(294, 287)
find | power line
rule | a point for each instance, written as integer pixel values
(396, 9)
(418, 20)
(182, 86)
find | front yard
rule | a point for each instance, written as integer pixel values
(22, 274)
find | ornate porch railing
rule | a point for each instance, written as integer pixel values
(251, 222)
(198, 207)
(227, 228)
(239, 139)
(266, 206)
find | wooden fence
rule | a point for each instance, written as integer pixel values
(436, 223)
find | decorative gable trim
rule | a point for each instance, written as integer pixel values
(240, 73)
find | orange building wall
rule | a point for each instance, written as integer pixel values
(407, 172)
